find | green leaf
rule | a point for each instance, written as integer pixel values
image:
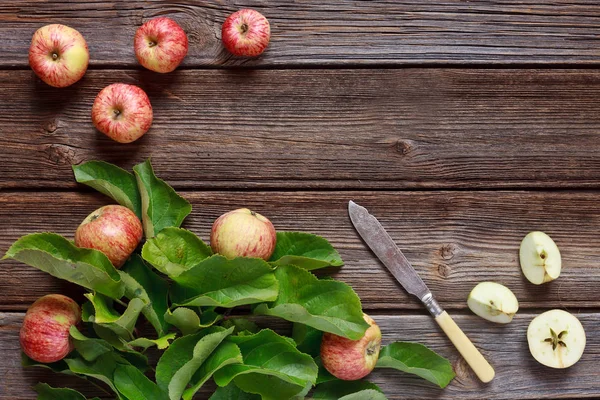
(273, 367)
(220, 282)
(47, 392)
(232, 392)
(241, 325)
(304, 250)
(307, 338)
(58, 366)
(327, 305)
(182, 359)
(417, 359)
(161, 343)
(188, 321)
(324, 375)
(102, 368)
(59, 257)
(348, 390)
(89, 348)
(112, 181)
(226, 354)
(134, 385)
(175, 250)
(162, 207)
(106, 316)
(141, 282)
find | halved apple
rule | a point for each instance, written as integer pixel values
(494, 302)
(540, 258)
(556, 339)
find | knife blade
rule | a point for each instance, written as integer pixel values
(384, 247)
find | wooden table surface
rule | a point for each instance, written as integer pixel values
(461, 125)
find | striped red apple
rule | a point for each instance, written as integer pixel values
(58, 55)
(243, 233)
(348, 359)
(44, 334)
(246, 33)
(114, 230)
(160, 45)
(122, 112)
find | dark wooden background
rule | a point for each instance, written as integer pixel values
(461, 125)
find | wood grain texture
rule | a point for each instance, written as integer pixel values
(360, 129)
(315, 33)
(518, 375)
(454, 239)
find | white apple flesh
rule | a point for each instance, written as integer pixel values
(58, 55)
(540, 258)
(556, 339)
(494, 302)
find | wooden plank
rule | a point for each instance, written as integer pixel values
(315, 33)
(362, 129)
(454, 239)
(518, 375)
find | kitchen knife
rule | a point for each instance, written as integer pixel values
(369, 228)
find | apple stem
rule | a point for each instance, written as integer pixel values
(253, 213)
(54, 56)
(152, 43)
(117, 113)
(244, 27)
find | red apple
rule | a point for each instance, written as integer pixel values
(351, 359)
(45, 332)
(243, 233)
(246, 33)
(122, 112)
(114, 230)
(160, 44)
(58, 55)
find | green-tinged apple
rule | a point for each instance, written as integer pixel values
(58, 55)
(556, 339)
(246, 33)
(114, 230)
(45, 335)
(351, 359)
(122, 112)
(494, 302)
(160, 45)
(243, 233)
(540, 258)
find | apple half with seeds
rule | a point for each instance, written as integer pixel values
(556, 339)
(494, 302)
(540, 258)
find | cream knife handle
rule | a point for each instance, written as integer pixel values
(467, 349)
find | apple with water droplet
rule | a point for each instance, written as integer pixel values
(122, 112)
(160, 44)
(243, 233)
(44, 334)
(350, 360)
(114, 230)
(58, 55)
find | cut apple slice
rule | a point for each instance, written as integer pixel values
(494, 302)
(556, 339)
(540, 258)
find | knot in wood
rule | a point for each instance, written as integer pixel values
(60, 154)
(447, 251)
(403, 147)
(51, 126)
(443, 270)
